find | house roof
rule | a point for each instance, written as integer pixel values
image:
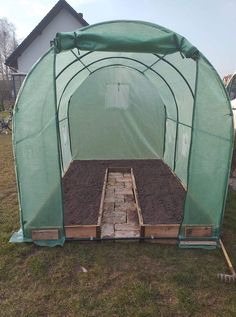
(11, 61)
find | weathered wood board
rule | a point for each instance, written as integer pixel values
(81, 231)
(45, 234)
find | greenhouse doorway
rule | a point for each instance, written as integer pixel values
(117, 186)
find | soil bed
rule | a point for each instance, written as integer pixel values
(161, 195)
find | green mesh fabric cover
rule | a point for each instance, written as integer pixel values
(210, 152)
(121, 123)
(36, 152)
(122, 90)
(125, 36)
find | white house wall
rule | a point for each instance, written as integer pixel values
(63, 22)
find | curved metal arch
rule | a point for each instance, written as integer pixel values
(74, 61)
(118, 65)
(132, 59)
(107, 66)
(179, 72)
(120, 57)
(162, 58)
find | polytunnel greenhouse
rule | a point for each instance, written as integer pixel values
(122, 130)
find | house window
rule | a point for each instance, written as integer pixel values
(117, 96)
(17, 80)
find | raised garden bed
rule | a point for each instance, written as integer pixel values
(159, 197)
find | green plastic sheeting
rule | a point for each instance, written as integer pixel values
(122, 90)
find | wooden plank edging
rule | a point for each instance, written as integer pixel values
(119, 169)
(88, 231)
(102, 199)
(140, 217)
(198, 231)
(45, 234)
(196, 243)
(162, 230)
(81, 231)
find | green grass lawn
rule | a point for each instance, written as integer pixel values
(123, 279)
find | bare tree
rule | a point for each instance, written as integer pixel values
(7, 45)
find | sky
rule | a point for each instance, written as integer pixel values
(210, 25)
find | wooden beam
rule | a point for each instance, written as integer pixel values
(102, 199)
(119, 169)
(140, 217)
(198, 231)
(81, 231)
(162, 230)
(195, 243)
(45, 234)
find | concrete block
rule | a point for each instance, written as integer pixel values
(107, 230)
(115, 174)
(120, 217)
(127, 234)
(108, 206)
(123, 191)
(132, 217)
(127, 175)
(111, 181)
(125, 206)
(128, 185)
(119, 199)
(109, 199)
(120, 179)
(129, 198)
(108, 218)
(116, 186)
(126, 227)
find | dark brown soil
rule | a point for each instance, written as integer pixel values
(161, 196)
